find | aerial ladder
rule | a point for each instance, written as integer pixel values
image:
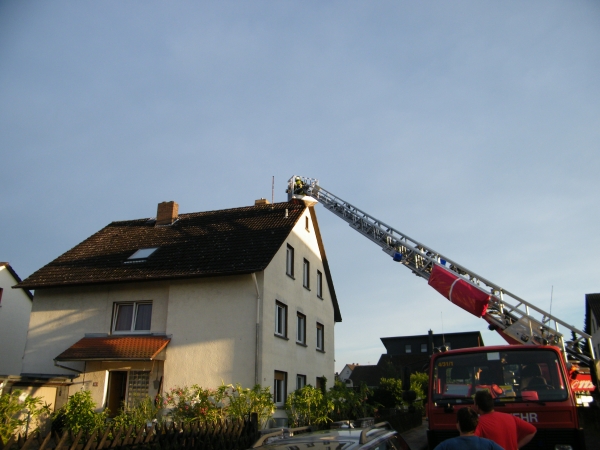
(516, 320)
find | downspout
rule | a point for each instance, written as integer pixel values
(256, 354)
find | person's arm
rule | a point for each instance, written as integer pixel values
(523, 442)
(525, 432)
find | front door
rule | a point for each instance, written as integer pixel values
(117, 389)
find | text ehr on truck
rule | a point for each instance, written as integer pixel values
(539, 377)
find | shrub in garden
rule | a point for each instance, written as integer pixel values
(79, 413)
(16, 409)
(348, 403)
(244, 401)
(308, 406)
(188, 404)
(142, 412)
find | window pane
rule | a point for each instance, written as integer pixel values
(124, 317)
(305, 274)
(144, 316)
(319, 284)
(289, 263)
(407, 348)
(319, 336)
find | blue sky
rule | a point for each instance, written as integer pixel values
(473, 127)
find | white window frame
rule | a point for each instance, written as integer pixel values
(300, 328)
(136, 305)
(280, 319)
(320, 337)
(306, 274)
(300, 381)
(319, 284)
(279, 387)
(289, 261)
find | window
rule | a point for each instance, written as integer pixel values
(320, 384)
(132, 317)
(306, 274)
(301, 329)
(137, 387)
(1, 291)
(289, 261)
(319, 284)
(320, 337)
(423, 348)
(279, 387)
(300, 381)
(407, 348)
(306, 223)
(141, 255)
(280, 319)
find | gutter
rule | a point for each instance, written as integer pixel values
(68, 368)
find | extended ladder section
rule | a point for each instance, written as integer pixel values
(516, 320)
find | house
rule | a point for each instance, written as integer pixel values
(239, 295)
(592, 320)
(345, 373)
(15, 307)
(412, 352)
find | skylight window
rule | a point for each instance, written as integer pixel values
(143, 253)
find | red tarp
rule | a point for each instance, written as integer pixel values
(459, 291)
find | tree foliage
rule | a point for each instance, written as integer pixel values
(16, 409)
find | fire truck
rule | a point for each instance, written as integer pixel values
(541, 376)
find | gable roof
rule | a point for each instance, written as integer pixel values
(16, 277)
(204, 244)
(592, 305)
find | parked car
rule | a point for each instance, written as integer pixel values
(344, 435)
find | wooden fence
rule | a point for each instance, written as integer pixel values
(223, 435)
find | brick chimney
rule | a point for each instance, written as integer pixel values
(167, 213)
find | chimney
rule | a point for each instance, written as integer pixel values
(261, 201)
(167, 213)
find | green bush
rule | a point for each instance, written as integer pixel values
(144, 411)
(79, 414)
(187, 404)
(308, 406)
(350, 404)
(16, 409)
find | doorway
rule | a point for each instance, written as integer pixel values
(117, 390)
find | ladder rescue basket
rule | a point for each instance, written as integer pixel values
(459, 291)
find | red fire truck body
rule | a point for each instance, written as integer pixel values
(545, 400)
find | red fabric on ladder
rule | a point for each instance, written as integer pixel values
(459, 291)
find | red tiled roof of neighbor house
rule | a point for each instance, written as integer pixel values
(203, 244)
(115, 348)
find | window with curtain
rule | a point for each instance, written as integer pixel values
(132, 316)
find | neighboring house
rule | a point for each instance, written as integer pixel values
(592, 320)
(15, 307)
(344, 375)
(239, 295)
(412, 352)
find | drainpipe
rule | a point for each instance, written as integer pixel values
(256, 354)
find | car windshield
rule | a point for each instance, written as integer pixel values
(509, 375)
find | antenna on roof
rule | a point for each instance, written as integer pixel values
(273, 190)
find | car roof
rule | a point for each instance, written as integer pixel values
(341, 438)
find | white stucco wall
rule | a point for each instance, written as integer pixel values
(285, 354)
(212, 321)
(15, 308)
(62, 316)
